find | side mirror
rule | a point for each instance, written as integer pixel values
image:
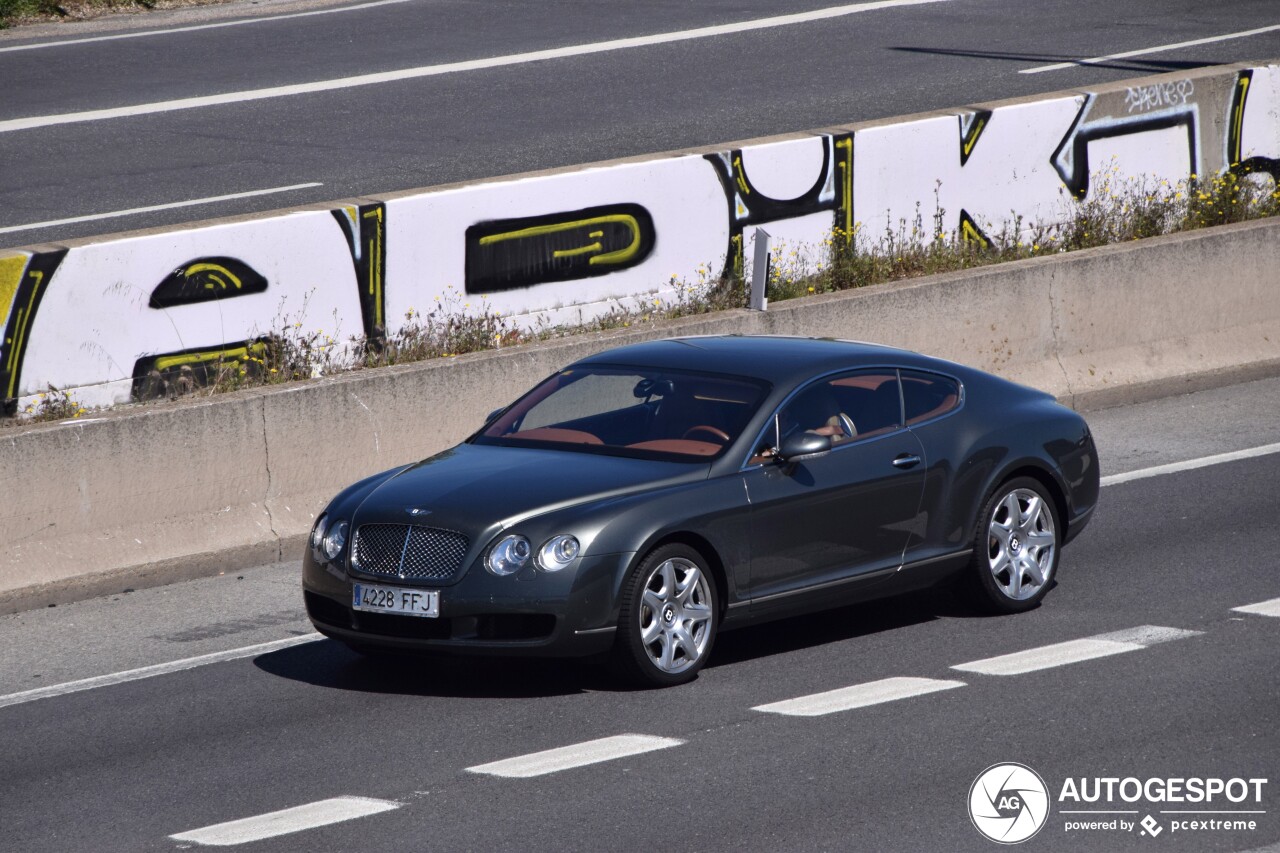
(489, 418)
(804, 445)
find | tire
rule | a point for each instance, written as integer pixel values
(667, 618)
(1015, 560)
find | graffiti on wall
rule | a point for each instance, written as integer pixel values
(133, 316)
(24, 279)
(507, 254)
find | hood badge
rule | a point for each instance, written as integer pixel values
(417, 511)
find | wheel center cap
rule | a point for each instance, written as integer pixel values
(1015, 544)
(669, 614)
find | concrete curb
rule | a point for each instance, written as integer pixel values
(150, 495)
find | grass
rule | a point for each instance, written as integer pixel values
(1115, 212)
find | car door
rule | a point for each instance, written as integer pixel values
(843, 516)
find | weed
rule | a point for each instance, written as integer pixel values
(52, 404)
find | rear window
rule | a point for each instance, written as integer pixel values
(927, 395)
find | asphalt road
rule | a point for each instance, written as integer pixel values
(125, 766)
(480, 122)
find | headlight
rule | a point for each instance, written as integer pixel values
(317, 532)
(335, 539)
(509, 556)
(557, 552)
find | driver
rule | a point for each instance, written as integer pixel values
(817, 411)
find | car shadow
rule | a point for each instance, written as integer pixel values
(330, 664)
(839, 624)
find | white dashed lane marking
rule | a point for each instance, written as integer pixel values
(286, 821)
(1074, 651)
(1270, 607)
(577, 755)
(857, 696)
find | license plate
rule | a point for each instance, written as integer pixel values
(396, 599)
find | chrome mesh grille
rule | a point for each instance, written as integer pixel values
(408, 551)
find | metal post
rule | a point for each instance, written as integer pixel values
(760, 272)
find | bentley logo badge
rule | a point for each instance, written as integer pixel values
(417, 511)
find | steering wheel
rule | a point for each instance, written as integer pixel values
(718, 433)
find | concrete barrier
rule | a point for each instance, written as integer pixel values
(158, 493)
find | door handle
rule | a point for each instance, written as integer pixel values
(906, 460)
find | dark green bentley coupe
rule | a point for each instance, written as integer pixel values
(640, 501)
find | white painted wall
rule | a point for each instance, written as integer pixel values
(94, 321)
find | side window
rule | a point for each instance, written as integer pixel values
(853, 405)
(927, 395)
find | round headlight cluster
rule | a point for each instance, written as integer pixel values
(317, 532)
(334, 540)
(509, 556)
(512, 553)
(557, 552)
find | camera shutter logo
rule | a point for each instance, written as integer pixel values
(1008, 803)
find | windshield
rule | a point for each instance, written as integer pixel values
(630, 411)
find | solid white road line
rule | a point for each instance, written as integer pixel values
(150, 671)
(32, 122)
(577, 755)
(285, 821)
(1058, 66)
(194, 27)
(1074, 651)
(52, 223)
(857, 696)
(1270, 607)
(1191, 464)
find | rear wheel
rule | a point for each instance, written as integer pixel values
(1016, 547)
(668, 621)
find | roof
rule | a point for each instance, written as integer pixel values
(776, 359)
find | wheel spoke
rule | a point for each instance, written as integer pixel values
(692, 577)
(1032, 567)
(668, 651)
(1014, 511)
(685, 641)
(650, 633)
(1039, 539)
(1031, 520)
(1015, 580)
(668, 575)
(654, 602)
(1001, 534)
(697, 613)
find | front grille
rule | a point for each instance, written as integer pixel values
(408, 551)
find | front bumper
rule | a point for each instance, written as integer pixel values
(567, 614)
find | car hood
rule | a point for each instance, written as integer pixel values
(478, 489)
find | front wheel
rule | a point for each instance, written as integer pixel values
(667, 620)
(1016, 547)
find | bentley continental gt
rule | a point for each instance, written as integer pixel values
(642, 500)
